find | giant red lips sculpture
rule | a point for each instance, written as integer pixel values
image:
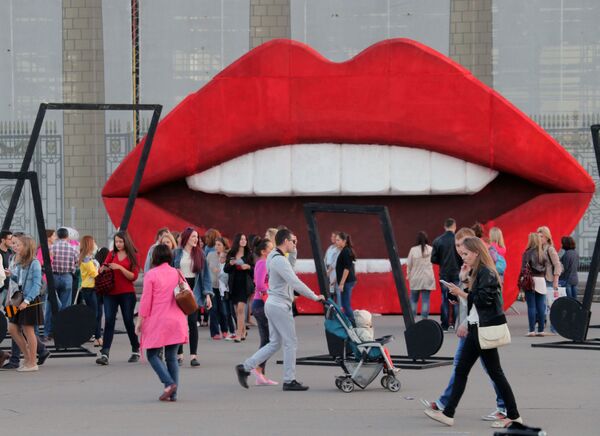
(399, 125)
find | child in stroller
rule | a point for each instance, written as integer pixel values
(361, 360)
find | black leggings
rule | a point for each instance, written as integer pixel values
(192, 325)
(258, 310)
(491, 359)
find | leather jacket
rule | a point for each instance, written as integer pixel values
(486, 295)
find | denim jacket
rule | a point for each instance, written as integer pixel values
(203, 284)
(31, 278)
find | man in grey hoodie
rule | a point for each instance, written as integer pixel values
(278, 308)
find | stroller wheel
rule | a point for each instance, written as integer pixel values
(384, 381)
(347, 385)
(393, 384)
(338, 382)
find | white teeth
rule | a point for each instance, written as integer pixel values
(365, 170)
(272, 175)
(237, 175)
(206, 181)
(478, 177)
(448, 174)
(410, 173)
(346, 169)
(315, 176)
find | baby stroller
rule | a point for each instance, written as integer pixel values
(361, 361)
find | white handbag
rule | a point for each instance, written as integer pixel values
(493, 336)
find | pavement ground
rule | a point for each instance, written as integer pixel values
(555, 389)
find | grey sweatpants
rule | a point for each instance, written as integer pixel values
(282, 331)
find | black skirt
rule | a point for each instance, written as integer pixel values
(32, 315)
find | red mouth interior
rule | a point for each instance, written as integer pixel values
(409, 214)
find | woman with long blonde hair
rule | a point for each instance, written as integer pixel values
(497, 240)
(535, 259)
(553, 265)
(484, 298)
(27, 273)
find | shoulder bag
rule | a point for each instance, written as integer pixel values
(494, 336)
(526, 279)
(184, 296)
(105, 280)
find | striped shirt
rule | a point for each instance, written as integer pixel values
(64, 257)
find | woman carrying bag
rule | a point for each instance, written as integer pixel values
(484, 299)
(161, 323)
(27, 273)
(190, 260)
(124, 263)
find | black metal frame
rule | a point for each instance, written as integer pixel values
(35, 133)
(310, 209)
(21, 176)
(388, 235)
(583, 343)
(25, 174)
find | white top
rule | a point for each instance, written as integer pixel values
(473, 317)
(420, 269)
(186, 265)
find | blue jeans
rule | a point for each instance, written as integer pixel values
(127, 304)
(443, 400)
(414, 300)
(90, 299)
(571, 291)
(219, 312)
(536, 310)
(169, 373)
(346, 297)
(63, 284)
(447, 309)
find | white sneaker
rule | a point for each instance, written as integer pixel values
(438, 416)
(496, 415)
(28, 368)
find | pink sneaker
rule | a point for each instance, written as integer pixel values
(269, 382)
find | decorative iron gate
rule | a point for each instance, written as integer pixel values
(573, 132)
(119, 142)
(47, 162)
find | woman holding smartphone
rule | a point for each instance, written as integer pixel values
(484, 300)
(124, 262)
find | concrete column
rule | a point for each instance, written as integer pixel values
(471, 37)
(84, 148)
(269, 19)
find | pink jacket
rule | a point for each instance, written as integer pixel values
(164, 323)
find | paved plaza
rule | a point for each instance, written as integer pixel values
(555, 389)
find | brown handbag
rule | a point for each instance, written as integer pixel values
(184, 296)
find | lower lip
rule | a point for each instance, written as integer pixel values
(514, 205)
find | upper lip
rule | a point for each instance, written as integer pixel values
(284, 92)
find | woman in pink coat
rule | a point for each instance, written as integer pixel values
(160, 322)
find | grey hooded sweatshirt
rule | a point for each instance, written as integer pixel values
(283, 281)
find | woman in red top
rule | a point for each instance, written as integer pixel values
(124, 263)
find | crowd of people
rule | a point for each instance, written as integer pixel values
(248, 276)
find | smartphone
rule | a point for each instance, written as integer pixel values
(451, 297)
